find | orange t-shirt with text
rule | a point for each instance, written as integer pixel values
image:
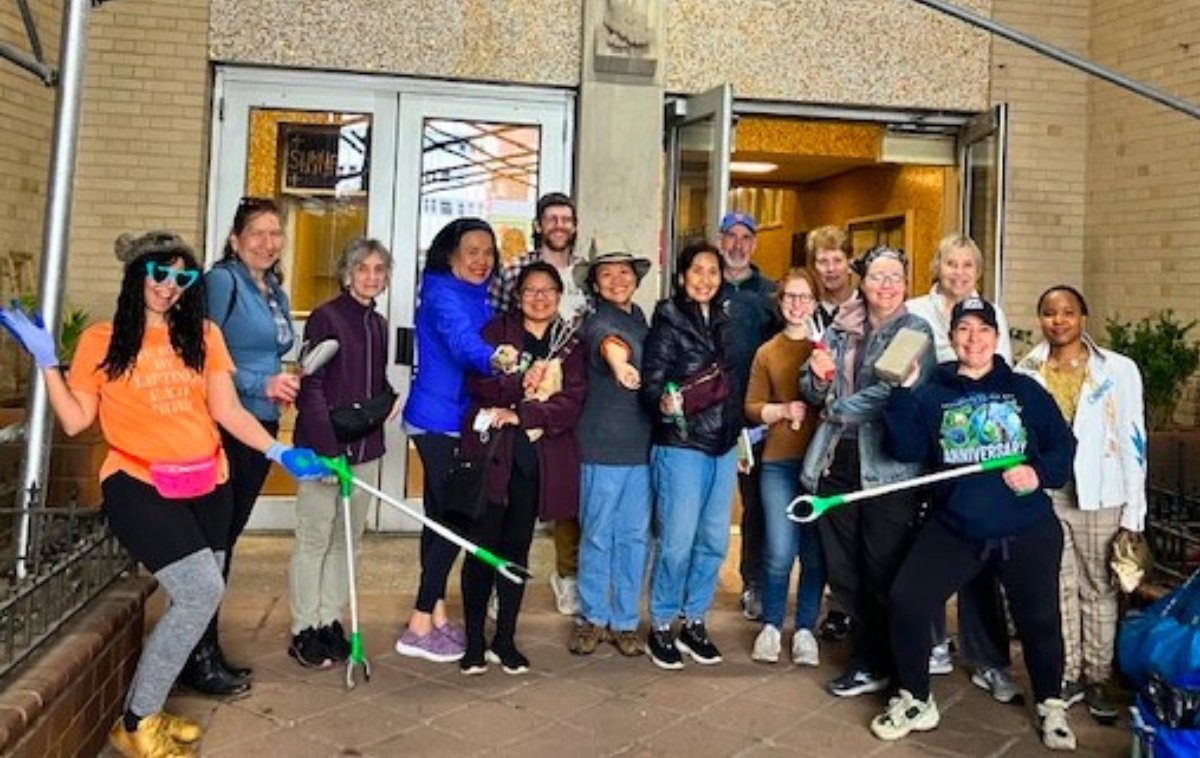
(158, 411)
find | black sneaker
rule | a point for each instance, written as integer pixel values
(1100, 703)
(693, 640)
(473, 662)
(661, 646)
(509, 658)
(308, 650)
(857, 682)
(836, 626)
(333, 637)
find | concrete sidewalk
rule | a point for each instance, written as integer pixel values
(578, 706)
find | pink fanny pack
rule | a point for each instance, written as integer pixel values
(182, 480)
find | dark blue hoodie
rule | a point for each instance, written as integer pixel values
(953, 420)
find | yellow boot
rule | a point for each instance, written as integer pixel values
(181, 729)
(151, 740)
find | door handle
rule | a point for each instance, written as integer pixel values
(405, 342)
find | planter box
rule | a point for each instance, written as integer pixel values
(74, 463)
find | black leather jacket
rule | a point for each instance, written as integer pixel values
(697, 356)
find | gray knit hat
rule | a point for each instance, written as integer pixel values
(129, 247)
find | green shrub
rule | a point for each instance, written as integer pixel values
(1159, 346)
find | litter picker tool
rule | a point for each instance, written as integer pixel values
(513, 572)
(314, 356)
(357, 658)
(811, 507)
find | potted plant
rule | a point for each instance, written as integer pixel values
(1160, 347)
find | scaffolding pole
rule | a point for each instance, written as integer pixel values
(1064, 56)
(52, 272)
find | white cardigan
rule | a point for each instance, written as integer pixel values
(1110, 433)
(931, 307)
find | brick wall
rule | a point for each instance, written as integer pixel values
(142, 159)
(143, 152)
(1142, 243)
(1048, 132)
(65, 701)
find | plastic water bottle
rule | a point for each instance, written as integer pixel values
(676, 417)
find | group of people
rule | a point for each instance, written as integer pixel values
(624, 432)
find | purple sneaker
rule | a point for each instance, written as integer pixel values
(454, 632)
(434, 646)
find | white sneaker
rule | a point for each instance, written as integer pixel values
(766, 645)
(1052, 723)
(939, 659)
(566, 594)
(804, 649)
(905, 714)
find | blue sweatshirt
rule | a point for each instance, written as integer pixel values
(450, 316)
(953, 420)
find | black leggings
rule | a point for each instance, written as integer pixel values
(437, 553)
(864, 544)
(507, 531)
(157, 531)
(753, 524)
(941, 562)
(248, 470)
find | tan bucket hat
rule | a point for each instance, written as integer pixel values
(608, 249)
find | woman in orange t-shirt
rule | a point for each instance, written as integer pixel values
(160, 380)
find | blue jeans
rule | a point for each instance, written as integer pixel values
(614, 514)
(784, 541)
(694, 497)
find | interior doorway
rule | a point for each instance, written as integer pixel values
(902, 178)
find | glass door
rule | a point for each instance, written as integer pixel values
(464, 156)
(983, 151)
(392, 158)
(699, 141)
(326, 156)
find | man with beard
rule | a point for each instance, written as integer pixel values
(755, 320)
(554, 227)
(829, 254)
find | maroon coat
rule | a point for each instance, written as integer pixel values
(557, 449)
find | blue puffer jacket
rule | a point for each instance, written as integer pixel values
(249, 331)
(451, 314)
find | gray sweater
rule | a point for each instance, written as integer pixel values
(614, 429)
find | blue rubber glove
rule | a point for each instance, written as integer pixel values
(300, 462)
(31, 334)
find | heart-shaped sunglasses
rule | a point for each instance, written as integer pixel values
(180, 277)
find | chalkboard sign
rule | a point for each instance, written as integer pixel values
(309, 160)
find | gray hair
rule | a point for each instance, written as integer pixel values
(357, 251)
(956, 242)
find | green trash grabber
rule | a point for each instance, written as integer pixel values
(513, 572)
(816, 505)
(341, 469)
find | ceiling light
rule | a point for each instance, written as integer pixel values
(752, 167)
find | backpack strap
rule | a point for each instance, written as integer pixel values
(233, 293)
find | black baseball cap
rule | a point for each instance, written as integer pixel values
(974, 306)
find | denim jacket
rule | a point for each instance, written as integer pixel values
(861, 407)
(1110, 459)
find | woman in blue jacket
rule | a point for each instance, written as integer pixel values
(973, 410)
(246, 300)
(451, 312)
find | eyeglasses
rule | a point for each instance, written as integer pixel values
(797, 297)
(880, 280)
(544, 293)
(181, 277)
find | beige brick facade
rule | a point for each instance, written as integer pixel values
(1048, 132)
